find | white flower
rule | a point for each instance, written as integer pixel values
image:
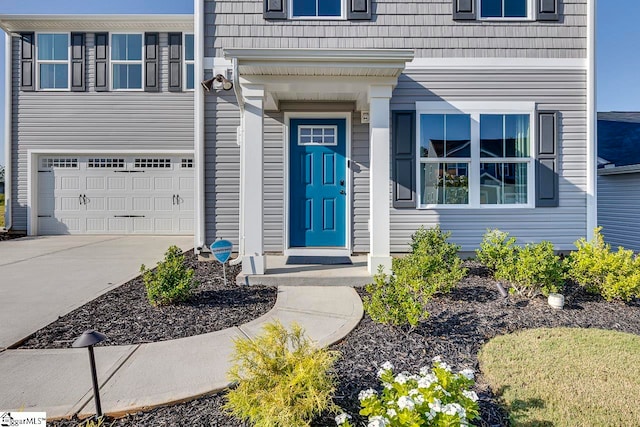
(444, 366)
(391, 412)
(402, 378)
(468, 373)
(437, 359)
(436, 405)
(405, 402)
(470, 395)
(342, 418)
(419, 399)
(387, 366)
(366, 394)
(439, 388)
(413, 392)
(425, 370)
(378, 421)
(454, 409)
(427, 380)
(387, 386)
(431, 414)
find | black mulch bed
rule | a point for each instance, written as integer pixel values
(126, 317)
(458, 326)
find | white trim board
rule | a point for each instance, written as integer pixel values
(287, 250)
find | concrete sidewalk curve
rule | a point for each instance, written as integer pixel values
(138, 377)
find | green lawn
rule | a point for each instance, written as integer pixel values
(565, 377)
(1, 210)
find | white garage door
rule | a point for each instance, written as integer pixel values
(115, 195)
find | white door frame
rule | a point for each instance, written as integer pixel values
(346, 251)
(32, 173)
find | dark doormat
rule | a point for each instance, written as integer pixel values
(319, 260)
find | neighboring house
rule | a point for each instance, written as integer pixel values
(619, 178)
(352, 123)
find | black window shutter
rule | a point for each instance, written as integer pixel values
(464, 10)
(547, 182)
(102, 62)
(548, 10)
(175, 62)
(359, 9)
(77, 62)
(27, 62)
(275, 9)
(151, 73)
(403, 159)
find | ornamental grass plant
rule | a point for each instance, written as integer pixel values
(283, 379)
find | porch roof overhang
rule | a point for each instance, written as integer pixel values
(317, 74)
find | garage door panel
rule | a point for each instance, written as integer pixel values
(95, 183)
(101, 196)
(142, 183)
(117, 183)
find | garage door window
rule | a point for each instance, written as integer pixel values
(187, 163)
(69, 163)
(105, 163)
(153, 163)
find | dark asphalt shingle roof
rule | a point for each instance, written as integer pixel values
(619, 138)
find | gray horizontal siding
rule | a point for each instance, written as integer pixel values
(564, 91)
(94, 121)
(222, 172)
(424, 25)
(619, 209)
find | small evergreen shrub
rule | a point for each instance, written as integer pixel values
(283, 379)
(496, 248)
(533, 269)
(435, 397)
(432, 267)
(171, 282)
(614, 275)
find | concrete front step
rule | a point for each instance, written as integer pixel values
(279, 273)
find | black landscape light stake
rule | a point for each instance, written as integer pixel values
(502, 290)
(88, 339)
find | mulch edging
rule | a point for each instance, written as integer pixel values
(459, 324)
(125, 315)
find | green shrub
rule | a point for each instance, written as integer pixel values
(614, 275)
(533, 269)
(283, 378)
(496, 248)
(433, 266)
(171, 281)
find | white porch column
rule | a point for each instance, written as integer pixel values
(253, 259)
(379, 178)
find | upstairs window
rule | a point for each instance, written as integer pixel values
(189, 62)
(126, 60)
(53, 61)
(504, 8)
(316, 8)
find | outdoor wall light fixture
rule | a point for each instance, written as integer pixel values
(218, 82)
(88, 339)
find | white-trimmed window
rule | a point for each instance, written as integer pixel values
(189, 62)
(475, 155)
(126, 61)
(505, 9)
(317, 135)
(317, 9)
(53, 61)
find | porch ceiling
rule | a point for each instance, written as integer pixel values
(318, 74)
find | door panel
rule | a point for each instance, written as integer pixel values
(317, 195)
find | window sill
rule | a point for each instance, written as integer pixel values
(473, 207)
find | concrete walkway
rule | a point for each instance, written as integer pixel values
(42, 278)
(142, 376)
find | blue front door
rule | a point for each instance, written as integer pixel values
(317, 199)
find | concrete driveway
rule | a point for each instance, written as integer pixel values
(42, 278)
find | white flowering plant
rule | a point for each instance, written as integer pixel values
(436, 396)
